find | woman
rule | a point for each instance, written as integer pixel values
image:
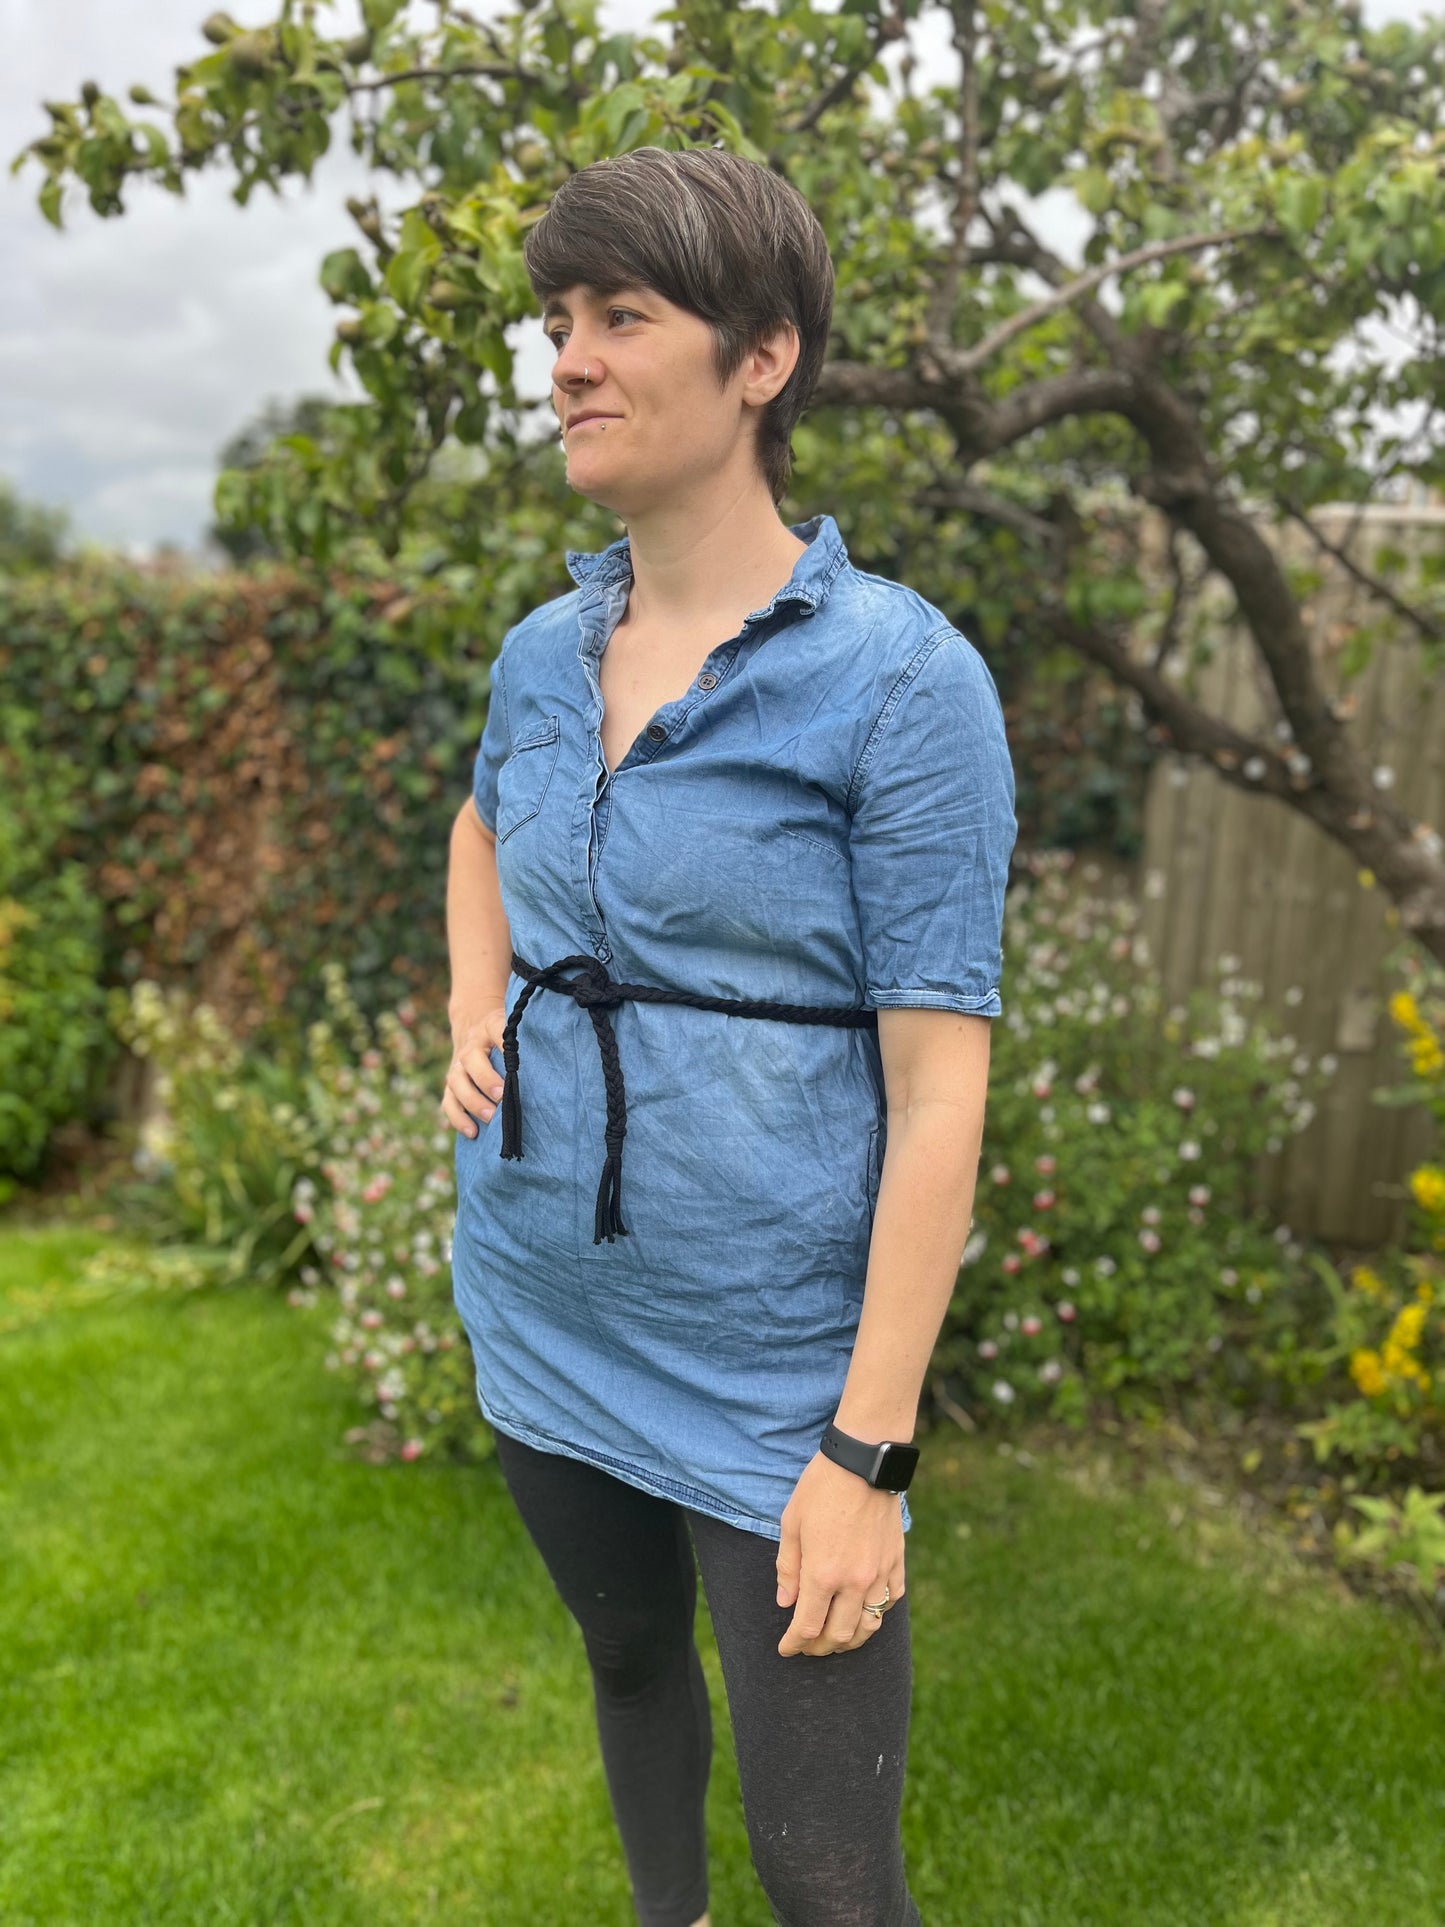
(772, 790)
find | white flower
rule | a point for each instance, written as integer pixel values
(1003, 1391)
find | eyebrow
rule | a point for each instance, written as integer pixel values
(554, 304)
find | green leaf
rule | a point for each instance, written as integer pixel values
(344, 276)
(1094, 189)
(1159, 300)
(1300, 203)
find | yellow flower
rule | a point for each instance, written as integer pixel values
(1428, 1186)
(1404, 1010)
(1405, 1332)
(1426, 1057)
(1365, 1371)
(1425, 1292)
(1364, 1280)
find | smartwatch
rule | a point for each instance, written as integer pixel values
(888, 1466)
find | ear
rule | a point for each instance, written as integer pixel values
(768, 367)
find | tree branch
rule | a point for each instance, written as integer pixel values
(944, 295)
(1426, 624)
(958, 363)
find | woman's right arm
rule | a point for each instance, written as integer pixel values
(479, 942)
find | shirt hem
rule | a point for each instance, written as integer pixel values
(987, 1005)
(657, 1483)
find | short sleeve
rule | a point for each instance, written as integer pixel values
(933, 828)
(491, 752)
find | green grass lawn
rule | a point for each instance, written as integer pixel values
(247, 1680)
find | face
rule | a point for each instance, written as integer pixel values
(660, 425)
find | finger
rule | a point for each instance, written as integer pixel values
(809, 1619)
(841, 1627)
(455, 1115)
(869, 1624)
(469, 1097)
(476, 1069)
(478, 1060)
(790, 1559)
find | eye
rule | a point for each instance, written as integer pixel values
(557, 335)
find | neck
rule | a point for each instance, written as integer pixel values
(695, 562)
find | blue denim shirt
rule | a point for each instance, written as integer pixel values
(826, 816)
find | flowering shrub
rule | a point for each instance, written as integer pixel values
(1388, 1323)
(382, 1217)
(230, 1138)
(1117, 1249)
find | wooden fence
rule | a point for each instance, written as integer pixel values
(1224, 874)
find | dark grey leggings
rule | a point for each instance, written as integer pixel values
(822, 1741)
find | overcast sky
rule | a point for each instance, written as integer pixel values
(132, 348)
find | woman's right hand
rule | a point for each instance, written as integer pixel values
(474, 1085)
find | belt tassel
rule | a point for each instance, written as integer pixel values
(511, 1104)
(607, 1220)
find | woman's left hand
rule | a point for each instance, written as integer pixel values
(842, 1544)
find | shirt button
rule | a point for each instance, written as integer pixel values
(656, 732)
(707, 681)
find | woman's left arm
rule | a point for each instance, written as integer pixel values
(842, 1541)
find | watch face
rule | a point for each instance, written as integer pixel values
(895, 1468)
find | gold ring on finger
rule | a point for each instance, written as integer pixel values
(882, 1605)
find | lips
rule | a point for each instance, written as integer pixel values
(592, 415)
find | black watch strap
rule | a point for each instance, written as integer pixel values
(888, 1466)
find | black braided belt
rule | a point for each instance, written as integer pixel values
(596, 992)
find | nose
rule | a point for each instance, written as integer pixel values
(575, 369)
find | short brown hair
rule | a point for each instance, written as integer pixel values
(720, 235)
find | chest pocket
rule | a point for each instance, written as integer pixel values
(522, 780)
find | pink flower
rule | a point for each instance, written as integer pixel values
(987, 1349)
(1150, 1240)
(303, 1214)
(1066, 1311)
(1184, 1098)
(1046, 1163)
(1199, 1194)
(1031, 1326)
(1000, 1174)
(1150, 1214)
(1012, 1262)
(371, 1320)
(1043, 1200)
(1041, 1087)
(413, 1449)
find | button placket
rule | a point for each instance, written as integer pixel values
(585, 844)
